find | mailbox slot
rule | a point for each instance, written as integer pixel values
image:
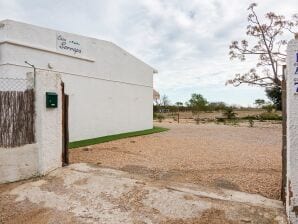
(51, 100)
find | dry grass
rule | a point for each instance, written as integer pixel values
(215, 114)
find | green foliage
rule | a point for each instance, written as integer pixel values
(269, 107)
(234, 121)
(220, 119)
(274, 94)
(94, 141)
(259, 102)
(229, 113)
(197, 103)
(264, 117)
(270, 116)
(216, 106)
(179, 104)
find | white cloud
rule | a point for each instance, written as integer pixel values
(187, 41)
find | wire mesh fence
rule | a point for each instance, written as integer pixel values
(17, 112)
(15, 84)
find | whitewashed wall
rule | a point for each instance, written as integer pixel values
(110, 90)
(48, 122)
(46, 154)
(292, 131)
(18, 163)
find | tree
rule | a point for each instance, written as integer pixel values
(197, 103)
(259, 102)
(229, 113)
(164, 101)
(268, 45)
(274, 94)
(215, 106)
(179, 104)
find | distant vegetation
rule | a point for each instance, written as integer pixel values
(200, 110)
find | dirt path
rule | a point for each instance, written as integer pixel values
(81, 193)
(238, 158)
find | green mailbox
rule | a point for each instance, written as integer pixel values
(51, 100)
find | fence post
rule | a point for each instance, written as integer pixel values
(284, 135)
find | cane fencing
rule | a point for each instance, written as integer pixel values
(17, 112)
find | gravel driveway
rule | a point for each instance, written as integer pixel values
(233, 157)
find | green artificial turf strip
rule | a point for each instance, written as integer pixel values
(94, 141)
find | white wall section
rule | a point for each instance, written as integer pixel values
(110, 90)
(46, 153)
(292, 131)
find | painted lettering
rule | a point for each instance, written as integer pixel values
(68, 45)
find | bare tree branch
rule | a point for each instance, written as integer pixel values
(269, 47)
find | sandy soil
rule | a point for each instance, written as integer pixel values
(232, 157)
(84, 193)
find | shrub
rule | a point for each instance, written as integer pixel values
(269, 108)
(220, 119)
(270, 116)
(251, 122)
(234, 121)
(229, 113)
(251, 117)
(160, 118)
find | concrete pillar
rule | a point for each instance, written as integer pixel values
(48, 122)
(292, 131)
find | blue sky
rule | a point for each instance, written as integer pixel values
(186, 41)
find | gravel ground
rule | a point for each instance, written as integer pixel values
(232, 157)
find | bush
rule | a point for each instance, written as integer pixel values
(264, 117)
(160, 117)
(269, 108)
(220, 119)
(250, 117)
(234, 121)
(229, 113)
(270, 116)
(251, 122)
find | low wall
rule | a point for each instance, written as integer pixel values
(18, 163)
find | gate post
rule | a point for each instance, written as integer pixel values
(292, 132)
(284, 135)
(48, 121)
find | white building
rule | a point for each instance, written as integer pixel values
(110, 91)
